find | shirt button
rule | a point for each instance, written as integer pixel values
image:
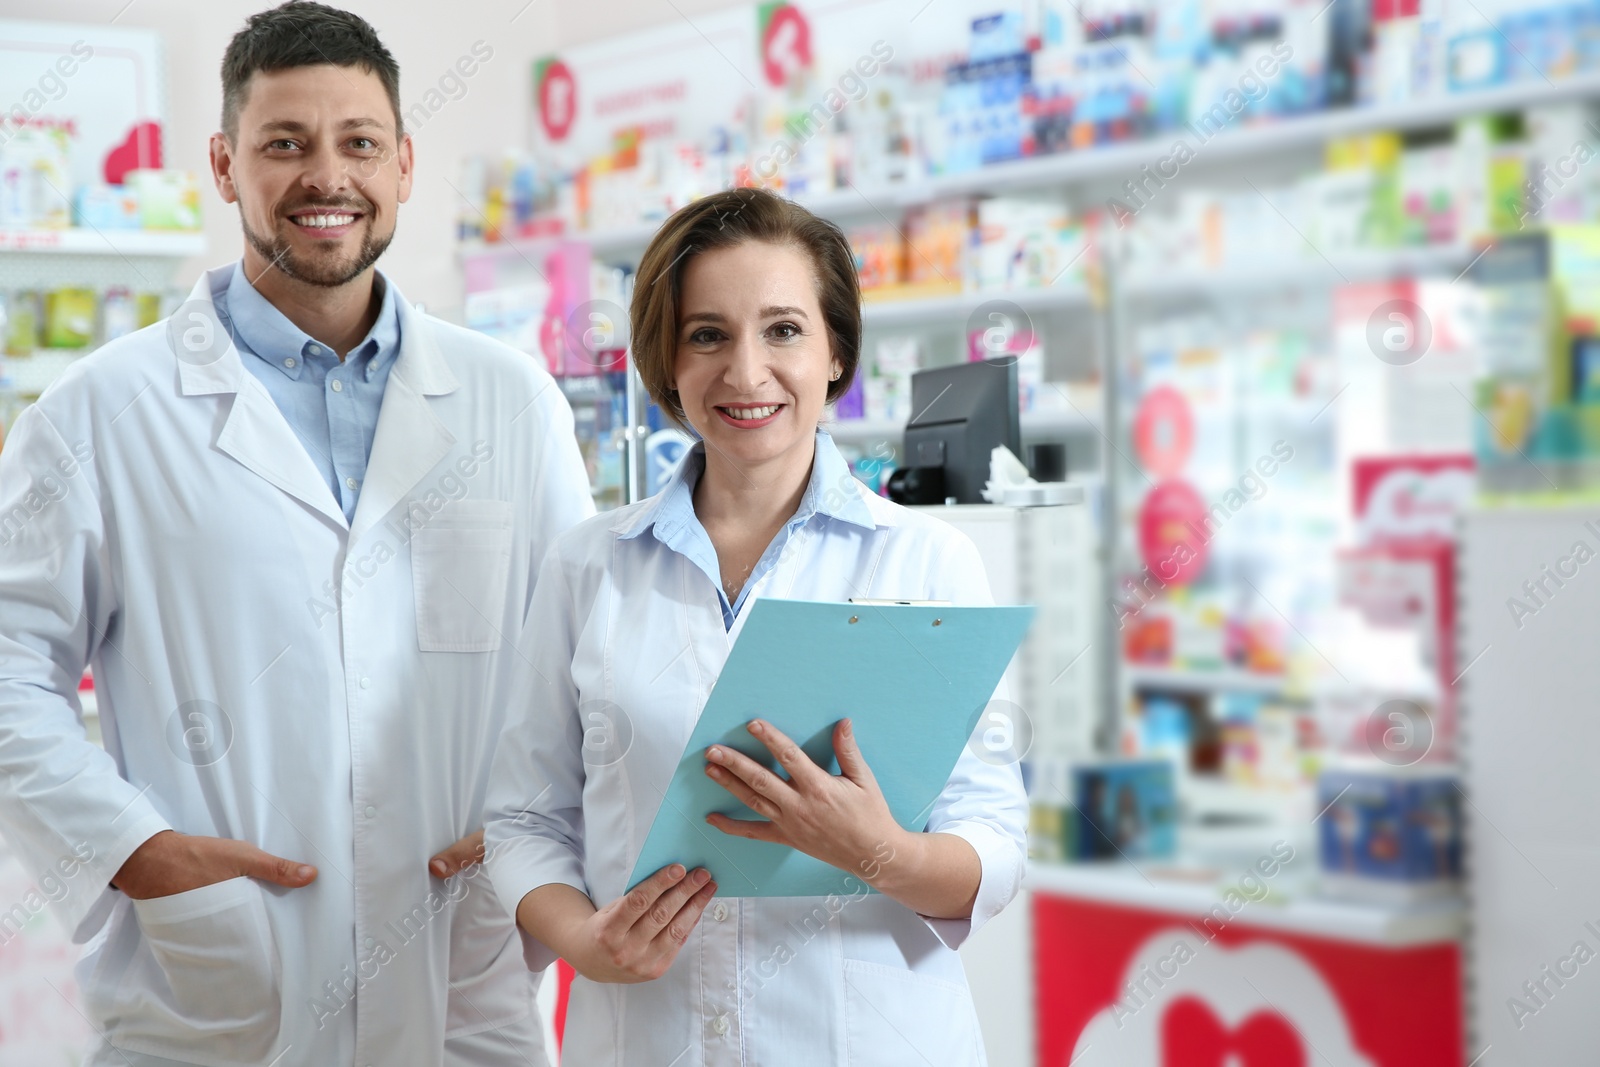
(366, 683)
(371, 812)
(351, 482)
(336, 385)
(313, 350)
(371, 942)
(719, 911)
(289, 363)
(720, 1025)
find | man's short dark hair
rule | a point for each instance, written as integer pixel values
(303, 34)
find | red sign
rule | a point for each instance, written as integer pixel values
(785, 44)
(1172, 532)
(558, 99)
(1163, 431)
(1114, 990)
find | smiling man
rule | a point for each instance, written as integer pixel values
(298, 542)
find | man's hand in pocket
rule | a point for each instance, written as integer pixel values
(458, 857)
(171, 863)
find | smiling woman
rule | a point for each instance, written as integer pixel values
(746, 322)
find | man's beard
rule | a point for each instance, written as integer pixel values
(328, 273)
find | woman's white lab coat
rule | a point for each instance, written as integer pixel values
(330, 692)
(633, 641)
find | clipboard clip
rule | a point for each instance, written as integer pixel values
(871, 603)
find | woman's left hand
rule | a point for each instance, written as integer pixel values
(842, 820)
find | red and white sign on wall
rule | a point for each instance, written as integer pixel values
(1127, 987)
(680, 80)
(785, 43)
(99, 90)
(556, 93)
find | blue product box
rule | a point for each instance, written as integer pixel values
(1476, 60)
(1125, 810)
(1394, 828)
(106, 207)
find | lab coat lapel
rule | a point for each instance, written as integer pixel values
(411, 439)
(255, 433)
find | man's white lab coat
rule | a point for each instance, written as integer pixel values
(328, 691)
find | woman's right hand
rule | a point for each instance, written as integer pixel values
(636, 937)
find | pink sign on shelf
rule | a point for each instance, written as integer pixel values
(1172, 524)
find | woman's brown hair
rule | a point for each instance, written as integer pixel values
(722, 220)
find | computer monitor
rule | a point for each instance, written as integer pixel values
(959, 415)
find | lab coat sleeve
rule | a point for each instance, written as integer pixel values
(983, 803)
(64, 807)
(533, 815)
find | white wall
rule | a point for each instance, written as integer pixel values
(426, 39)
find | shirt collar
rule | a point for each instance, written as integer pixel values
(833, 491)
(269, 335)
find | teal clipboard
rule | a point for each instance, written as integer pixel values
(914, 680)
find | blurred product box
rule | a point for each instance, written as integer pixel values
(69, 318)
(879, 255)
(35, 177)
(1124, 810)
(1025, 243)
(107, 207)
(168, 199)
(936, 243)
(1389, 833)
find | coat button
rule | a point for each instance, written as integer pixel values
(720, 1025)
(366, 683)
(371, 812)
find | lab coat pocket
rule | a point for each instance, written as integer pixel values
(214, 946)
(460, 566)
(896, 1017)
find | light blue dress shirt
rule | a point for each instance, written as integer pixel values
(331, 406)
(677, 527)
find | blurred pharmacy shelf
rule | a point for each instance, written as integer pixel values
(1034, 424)
(32, 374)
(1310, 270)
(1211, 797)
(1208, 680)
(1117, 161)
(921, 310)
(82, 241)
(1180, 893)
